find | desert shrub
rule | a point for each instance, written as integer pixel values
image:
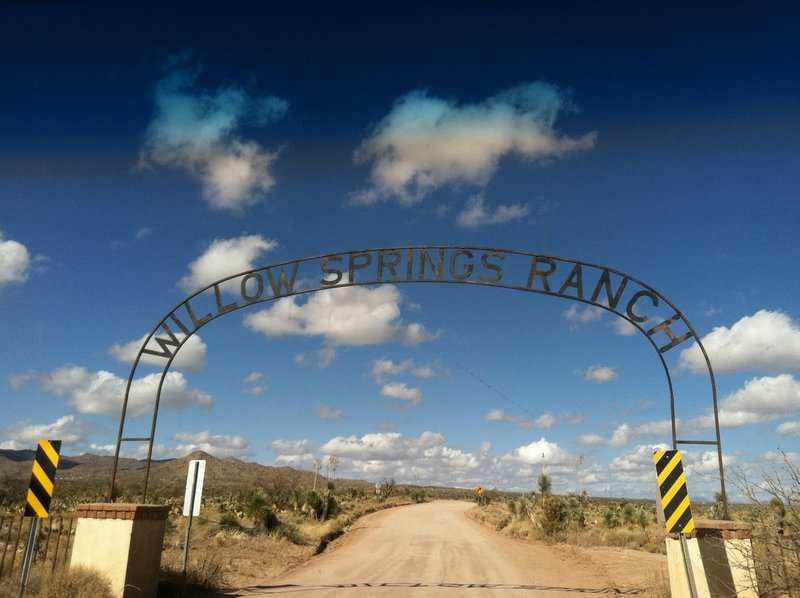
(290, 532)
(202, 577)
(387, 488)
(258, 508)
(229, 522)
(313, 504)
(611, 517)
(75, 582)
(552, 516)
(419, 496)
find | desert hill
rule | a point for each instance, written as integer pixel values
(88, 476)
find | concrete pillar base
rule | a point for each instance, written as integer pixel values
(721, 556)
(123, 542)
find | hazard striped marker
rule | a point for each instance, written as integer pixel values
(674, 495)
(43, 479)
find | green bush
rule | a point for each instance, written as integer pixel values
(230, 522)
(290, 532)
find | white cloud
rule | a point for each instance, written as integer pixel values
(789, 429)
(767, 340)
(623, 327)
(344, 316)
(15, 261)
(637, 464)
(143, 233)
(600, 374)
(425, 142)
(383, 368)
(326, 355)
(624, 433)
(24, 435)
(215, 444)
(760, 400)
(577, 316)
(295, 453)
(401, 391)
(382, 446)
(475, 214)
(326, 412)
(544, 421)
(292, 447)
(257, 390)
(196, 131)
(17, 381)
(102, 392)
(223, 258)
(539, 452)
(192, 355)
(253, 377)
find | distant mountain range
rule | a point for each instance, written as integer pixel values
(90, 475)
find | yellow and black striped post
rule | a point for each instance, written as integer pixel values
(43, 479)
(674, 495)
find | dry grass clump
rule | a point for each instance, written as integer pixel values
(76, 582)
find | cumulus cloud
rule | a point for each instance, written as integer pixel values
(197, 131)
(475, 214)
(219, 445)
(541, 451)
(624, 433)
(326, 412)
(383, 446)
(577, 316)
(353, 316)
(600, 374)
(760, 400)
(293, 452)
(789, 429)
(103, 392)
(15, 261)
(192, 355)
(426, 142)
(767, 340)
(225, 257)
(401, 392)
(544, 421)
(24, 435)
(253, 377)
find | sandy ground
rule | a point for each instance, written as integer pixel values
(434, 549)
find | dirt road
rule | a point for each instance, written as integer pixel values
(434, 549)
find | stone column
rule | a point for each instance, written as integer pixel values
(123, 542)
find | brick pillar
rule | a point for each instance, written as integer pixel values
(123, 542)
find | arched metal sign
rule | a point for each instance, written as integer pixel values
(647, 310)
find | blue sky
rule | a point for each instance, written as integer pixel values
(152, 149)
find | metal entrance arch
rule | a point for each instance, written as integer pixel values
(639, 304)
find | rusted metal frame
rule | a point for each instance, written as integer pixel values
(16, 542)
(297, 262)
(58, 540)
(3, 519)
(68, 548)
(49, 533)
